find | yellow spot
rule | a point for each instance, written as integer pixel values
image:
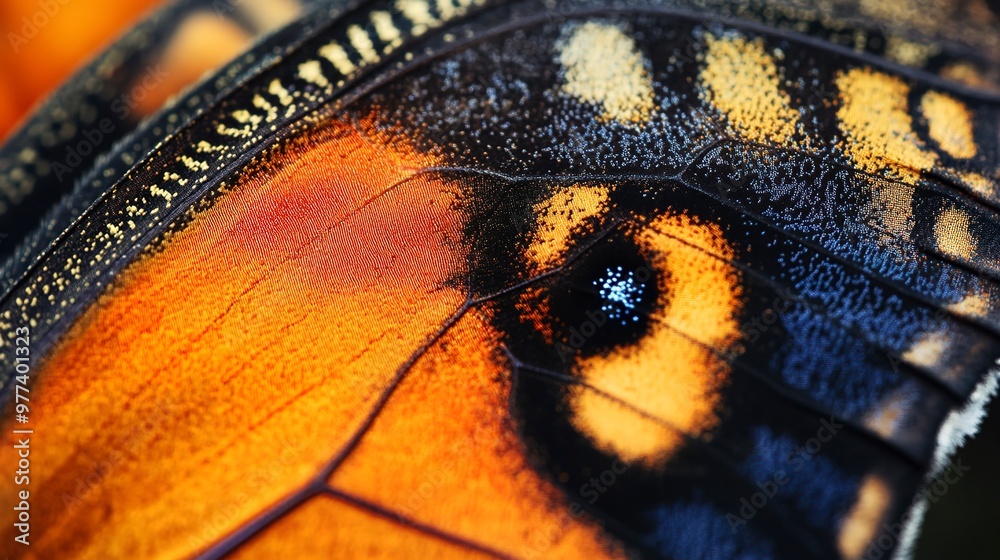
(880, 139)
(979, 185)
(338, 57)
(967, 74)
(561, 215)
(950, 124)
(362, 43)
(604, 67)
(261, 103)
(909, 53)
(863, 521)
(670, 375)
(873, 114)
(974, 305)
(927, 350)
(311, 71)
(951, 231)
(741, 81)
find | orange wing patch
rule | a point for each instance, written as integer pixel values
(285, 308)
(466, 474)
(326, 524)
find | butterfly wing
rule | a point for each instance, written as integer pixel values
(589, 283)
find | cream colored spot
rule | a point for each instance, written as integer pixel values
(559, 217)
(419, 14)
(928, 350)
(193, 164)
(604, 67)
(385, 28)
(950, 124)
(951, 231)
(275, 88)
(312, 72)
(887, 417)
(862, 523)
(670, 375)
(741, 81)
(338, 57)
(975, 305)
(446, 9)
(362, 43)
(261, 103)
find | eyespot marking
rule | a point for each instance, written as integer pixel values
(604, 66)
(700, 296)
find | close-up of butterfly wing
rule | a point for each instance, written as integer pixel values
(572, 279)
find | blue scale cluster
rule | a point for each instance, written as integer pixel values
(812, 483)
(701, 532)
(621, 292)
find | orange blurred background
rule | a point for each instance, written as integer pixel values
(45, 41)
